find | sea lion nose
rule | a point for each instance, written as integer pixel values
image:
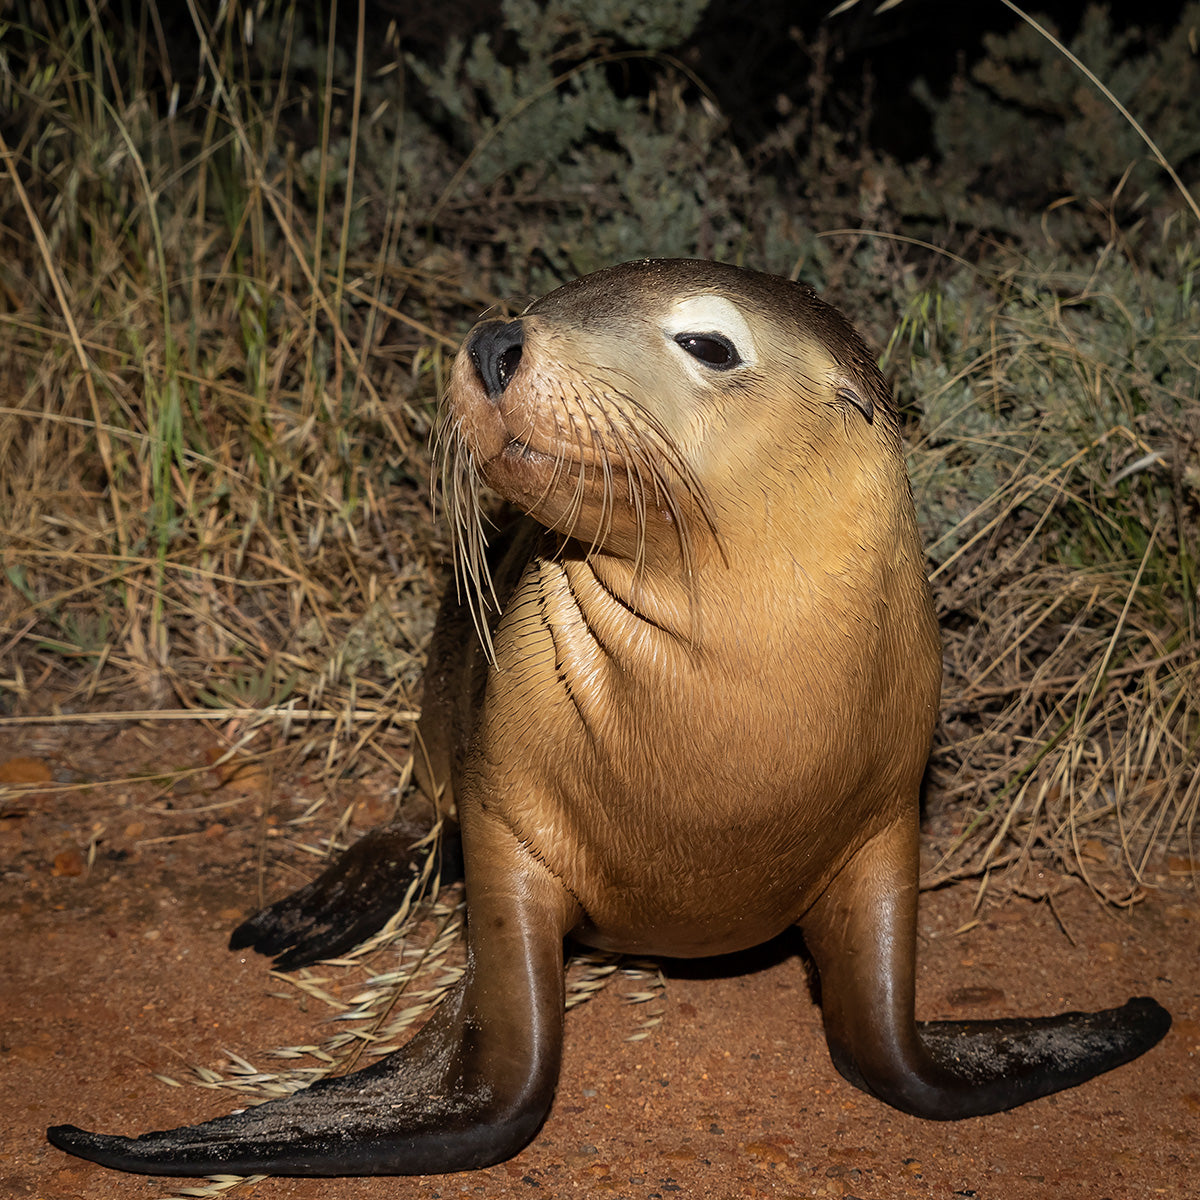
(495, 349)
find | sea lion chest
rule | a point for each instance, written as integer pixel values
(692, 802)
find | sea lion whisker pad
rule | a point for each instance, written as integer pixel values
(696, 712)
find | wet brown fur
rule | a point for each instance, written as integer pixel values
(720, 680)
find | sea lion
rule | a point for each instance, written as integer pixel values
(696, 711)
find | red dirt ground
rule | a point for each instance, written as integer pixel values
(111, 973)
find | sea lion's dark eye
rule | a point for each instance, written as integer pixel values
(713, 349)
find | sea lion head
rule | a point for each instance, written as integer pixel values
(666, 411)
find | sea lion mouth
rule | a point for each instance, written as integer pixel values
(541, 449)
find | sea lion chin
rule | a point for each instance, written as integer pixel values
(684, 703)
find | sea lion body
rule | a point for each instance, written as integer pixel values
(685, 703)
(710, 745)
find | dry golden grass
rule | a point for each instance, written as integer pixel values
(1068, 584)
(216, 490)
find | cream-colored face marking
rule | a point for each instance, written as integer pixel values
(709, 314)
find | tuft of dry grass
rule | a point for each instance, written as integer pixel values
(1056, 470)
(216, 490)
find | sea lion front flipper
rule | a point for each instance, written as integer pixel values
(862, 935)
(352, 898)
(471, 1088)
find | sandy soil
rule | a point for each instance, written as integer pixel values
(114, 971)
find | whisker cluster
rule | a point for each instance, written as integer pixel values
(613, 451)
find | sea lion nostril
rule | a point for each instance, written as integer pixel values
(495, 348)
(508, 363)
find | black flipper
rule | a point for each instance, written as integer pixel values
(1041, 1055)
(399, 1116)
(471, 1088)
(352, 898)
(862, 934)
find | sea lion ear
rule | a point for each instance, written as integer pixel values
(848, 392)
